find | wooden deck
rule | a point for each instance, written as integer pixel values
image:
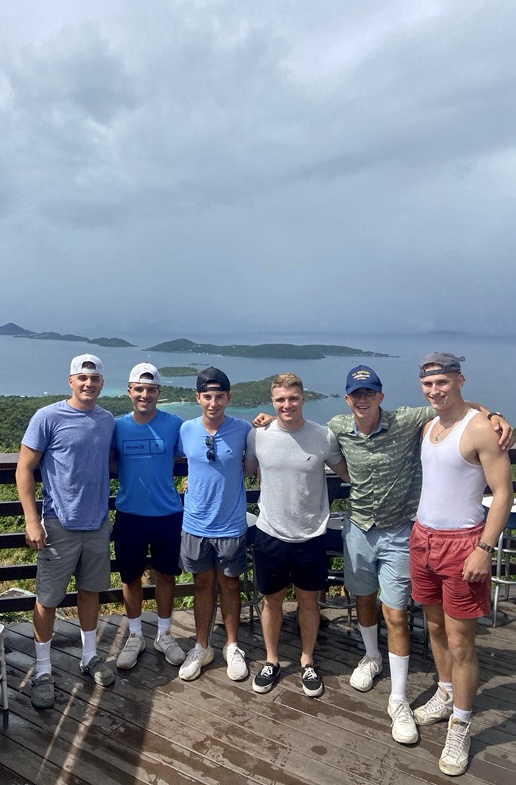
(152, 728)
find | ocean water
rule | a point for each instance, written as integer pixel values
(35, 367)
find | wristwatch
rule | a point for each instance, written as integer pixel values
(486, 547)
(495, 414)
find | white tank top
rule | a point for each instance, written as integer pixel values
(451, 497)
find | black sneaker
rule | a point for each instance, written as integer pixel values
(312, 682)
(264, 680)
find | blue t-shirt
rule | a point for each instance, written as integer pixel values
(145, 455)
(215, 502)
(75, 462)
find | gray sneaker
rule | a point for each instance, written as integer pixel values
(363, 675)
(99, 671)
(195, 660)
(455, 755)
(438, 708)
(128, 657)
(168, 646)
(42, 694)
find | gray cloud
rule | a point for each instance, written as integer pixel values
(277, 159)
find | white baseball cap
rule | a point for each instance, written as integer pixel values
(145, 368)
(78, 363)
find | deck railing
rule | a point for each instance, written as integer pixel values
(16, 540)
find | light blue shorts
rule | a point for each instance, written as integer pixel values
(378, 559)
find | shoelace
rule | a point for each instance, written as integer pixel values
(267, 670)
(455, 741)
(309, 673)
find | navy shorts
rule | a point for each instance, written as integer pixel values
(280, 563)
(134, 535)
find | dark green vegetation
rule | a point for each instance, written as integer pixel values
(179, 370)
(281, 350)
(16, 411)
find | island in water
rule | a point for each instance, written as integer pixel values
(286, 351)
(20, 332)
(283, 351)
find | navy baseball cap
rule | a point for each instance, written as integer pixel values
(362, 377)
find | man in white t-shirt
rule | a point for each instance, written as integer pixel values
(290, 547)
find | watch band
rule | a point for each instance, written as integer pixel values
(486, 547)
(495, 414)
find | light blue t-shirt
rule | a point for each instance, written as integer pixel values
(145, 455)
(75, 462)
(215, 502)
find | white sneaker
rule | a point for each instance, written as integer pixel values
(195, 659)
(455, 755)
(168, 645)
(439, 707)
(404, 728)
(128, 657)
(235, 658)
(363, 675)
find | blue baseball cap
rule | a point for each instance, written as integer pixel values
(362, 377)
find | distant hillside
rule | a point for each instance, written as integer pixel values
(12, 329)
(21, 332)
(279, 350)
(110, 342)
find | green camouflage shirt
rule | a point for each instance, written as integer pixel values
(384, 467)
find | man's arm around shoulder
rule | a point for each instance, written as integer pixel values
(28, 462)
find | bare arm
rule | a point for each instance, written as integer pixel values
(499, 424)
(250, 466)
(341, 470)
(497, 470)
(28, 462)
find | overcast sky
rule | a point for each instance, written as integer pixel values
(293, 165)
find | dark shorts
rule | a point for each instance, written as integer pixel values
(436, 562)
(279, 563)
(134, 535)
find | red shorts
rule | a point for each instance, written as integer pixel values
(436, 563)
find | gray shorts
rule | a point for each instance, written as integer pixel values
(84, 554)
(378, 559)
(227, 554)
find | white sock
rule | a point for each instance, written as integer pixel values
(445, 688)
(135, 626)
(461, 714)
(89, 645)
(43, 664)
(399, 673)
(164, 625)
(370, 638)
(199, 647)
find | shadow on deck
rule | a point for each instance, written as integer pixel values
(151, 727)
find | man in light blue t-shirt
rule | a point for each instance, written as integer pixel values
(149, 512)
(213, 544)
(69, 441)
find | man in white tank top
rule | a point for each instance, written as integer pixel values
(451, 547)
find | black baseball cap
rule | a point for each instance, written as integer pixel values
(212, 379)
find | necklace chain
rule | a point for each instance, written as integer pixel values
(449, 427)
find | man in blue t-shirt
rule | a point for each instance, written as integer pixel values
(69, 441)
(213, 545)
(149, 512)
